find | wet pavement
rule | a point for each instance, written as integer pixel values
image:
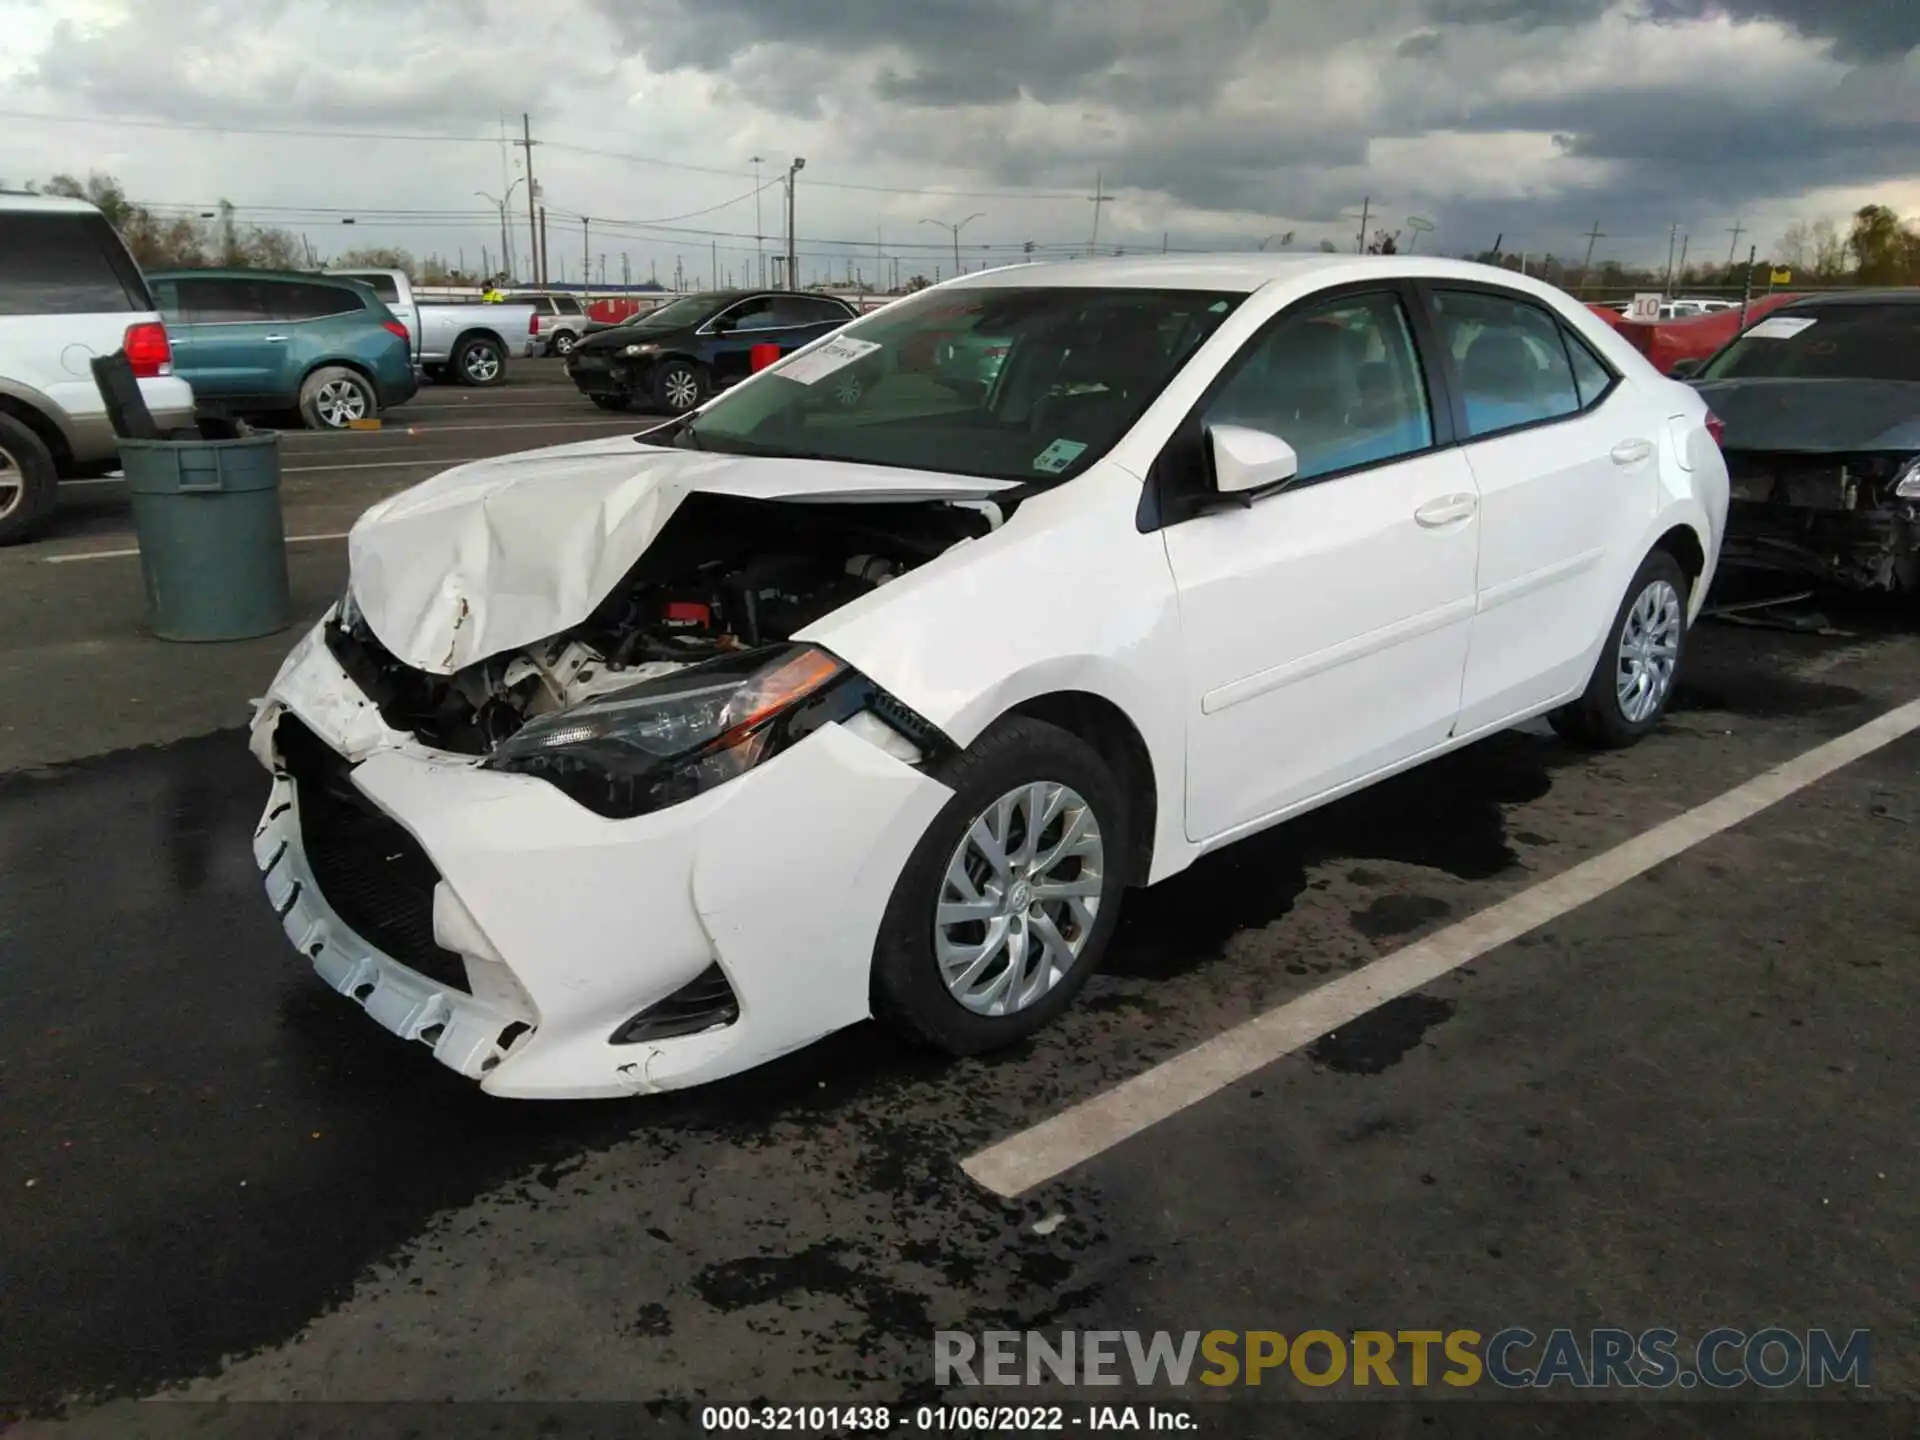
(1687, 1103)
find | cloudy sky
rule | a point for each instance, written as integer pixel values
(1212, 123)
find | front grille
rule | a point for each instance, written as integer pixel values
(702, 1003)
(371, 872)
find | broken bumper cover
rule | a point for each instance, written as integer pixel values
(568, 925)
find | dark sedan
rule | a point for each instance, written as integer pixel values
(673, 358)
(1821, 404)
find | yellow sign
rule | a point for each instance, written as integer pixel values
(1781, 276)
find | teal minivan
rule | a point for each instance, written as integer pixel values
(257, 341)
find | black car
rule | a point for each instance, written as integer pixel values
(1821, 407)
(675, 357)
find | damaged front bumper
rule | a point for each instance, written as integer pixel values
(547, 952)
(1824, 518)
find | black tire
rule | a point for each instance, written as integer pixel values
(480, 361)
(908, 991)
(612, 402)
(29, 484)
(679, 386)
(333, 395)
(1596, 720)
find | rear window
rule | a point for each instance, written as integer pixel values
(1826, 342)
(382, 286)
(66, 265)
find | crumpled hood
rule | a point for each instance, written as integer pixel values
(1837, 416)
(500, 553)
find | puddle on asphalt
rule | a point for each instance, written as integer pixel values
(1381, 1038)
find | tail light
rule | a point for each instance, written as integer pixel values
(147, 350)
(533, 323)
(1716, 427)
(394, 327)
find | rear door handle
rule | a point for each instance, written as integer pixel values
(1446, 510)
(1631, 452)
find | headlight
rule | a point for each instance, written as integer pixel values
(1906, 485)
(634, 350)
(347, 612)
(664, 741)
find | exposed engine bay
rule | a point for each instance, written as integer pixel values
(1834, 517)
(725, 574)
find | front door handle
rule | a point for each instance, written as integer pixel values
(1631, 452)
(1446, 510)
(274, 339)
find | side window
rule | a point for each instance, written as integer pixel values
(1510, 359)
(1339, 382)
(543, 306)
(383, 286)
(315, 302)
(1590, 375)
(71, 264)
(218, 300)
(817, 312)
(166, 299)
(760, 313)
(567, 306)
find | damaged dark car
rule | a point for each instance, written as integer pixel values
(1821, 407)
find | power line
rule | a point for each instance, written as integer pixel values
(203, 128)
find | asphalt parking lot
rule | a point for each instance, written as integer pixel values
(1686, 1101)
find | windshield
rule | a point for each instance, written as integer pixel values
(1826, 342)
(1015, 384)
(689, 311)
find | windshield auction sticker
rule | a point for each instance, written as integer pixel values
(1780, 327)
(1058, 456)
(838, 353)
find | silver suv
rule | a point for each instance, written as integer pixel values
(69, 291)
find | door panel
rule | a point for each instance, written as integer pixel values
(235, 354)
(1565, 462)
(1325, 627)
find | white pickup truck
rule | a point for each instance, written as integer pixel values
(465, 342)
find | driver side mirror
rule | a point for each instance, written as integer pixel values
(1681, 369)
(1245, 460)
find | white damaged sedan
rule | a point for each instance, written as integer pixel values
(869, 687)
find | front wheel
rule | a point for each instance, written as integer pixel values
(1007, 903)
(679, 386)
(1633, 679)
(28, 481)
(333, 397)
(480, 361)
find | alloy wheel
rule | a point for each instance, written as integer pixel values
(13, 483)
(482, 365)
(563, 344)
(339, 402)
(1648, 652)
(681, 387)
(1019, 897)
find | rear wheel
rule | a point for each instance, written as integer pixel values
(1007, 903)
(563, 343)
(28, 481)
(333, 397)
(480, 361)
(679, 385)
(1633, 679)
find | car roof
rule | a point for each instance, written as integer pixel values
(20, 203)
(1903, 295)
(1243, 272)
(304, 277)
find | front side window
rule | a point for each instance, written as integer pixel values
(1826, 342)
(1511, 363)
(1076, 367)
(1339, 382)
(760, 313)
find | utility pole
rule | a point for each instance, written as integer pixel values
(626, 271)
(1099, 198)
(486, 269)
(1586, 266)
(1163, 242)
(759, 238)
(1736, 231)
(544, 273)
(533, 235)
(793, 257)
(1746, 290)
(586, 255)
(1366, 209)
(716, 263)
(1673, 238)
(1686, 242)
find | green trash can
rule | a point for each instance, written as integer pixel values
(213, 547)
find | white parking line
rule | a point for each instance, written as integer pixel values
(432, 427)
(123, 554)
(1054, 1146)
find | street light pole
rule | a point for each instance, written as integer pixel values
(506, 243)
(759, 237)
(793, 259)
(955, 228)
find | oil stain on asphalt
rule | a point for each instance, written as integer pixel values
(1381, 1038)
